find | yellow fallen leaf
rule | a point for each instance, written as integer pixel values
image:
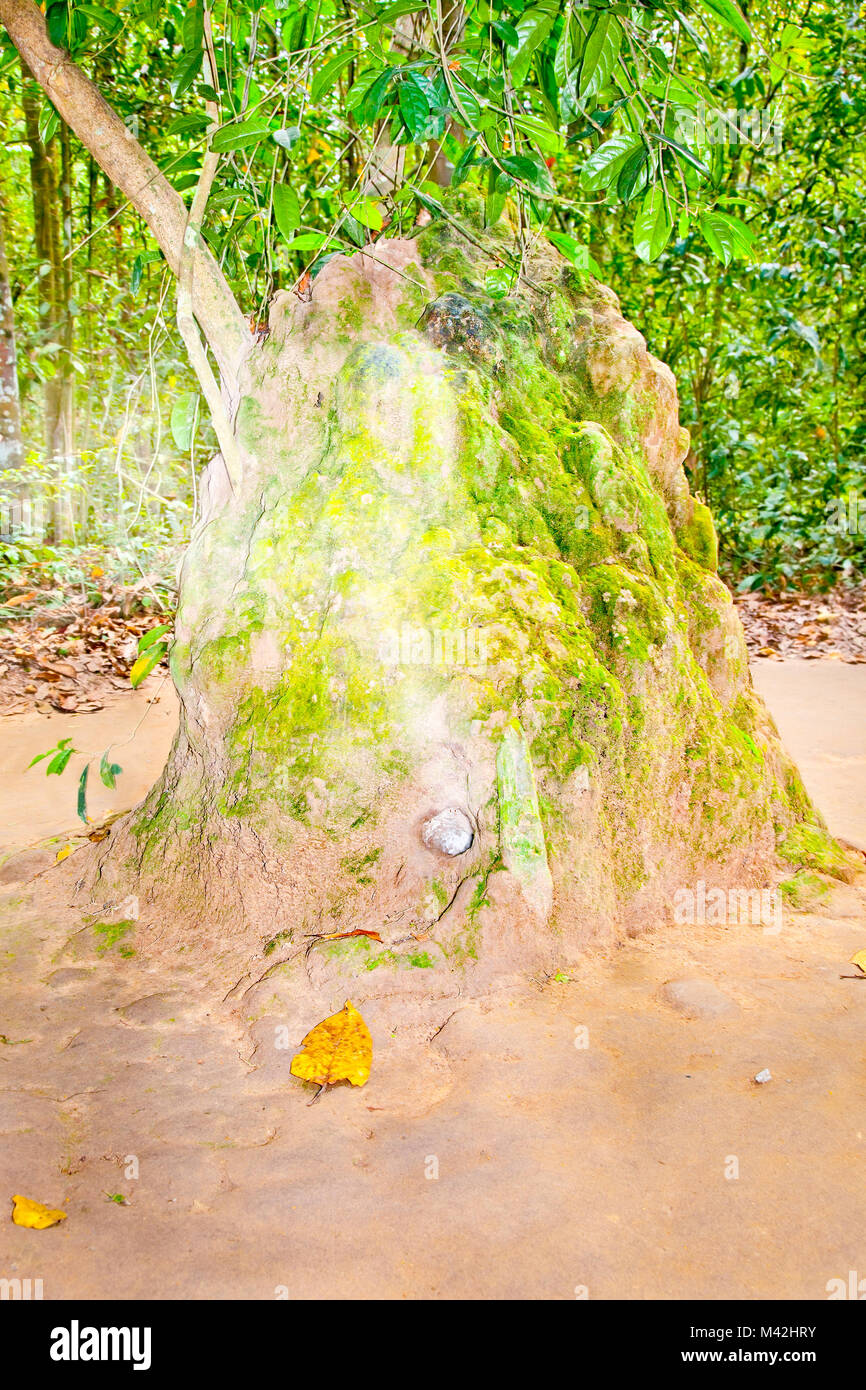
(63, 854)
(338, 1049)
(97, 572)
(34, 1215)
(859, 959)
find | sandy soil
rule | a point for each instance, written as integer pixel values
(595, 1132)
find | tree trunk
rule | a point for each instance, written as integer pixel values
(67, 505)
(11, 442)
(43, 190)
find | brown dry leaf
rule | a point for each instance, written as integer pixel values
(18, 599)
(342, 935)
(33, 1215)
(338, 1049)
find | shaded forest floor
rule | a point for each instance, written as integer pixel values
(644, 1162)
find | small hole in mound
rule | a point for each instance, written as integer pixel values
(449, 831)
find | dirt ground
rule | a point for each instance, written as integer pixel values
(594, 1134)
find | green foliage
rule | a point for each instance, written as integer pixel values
(58, 757)
(151, 650)
(614, 131)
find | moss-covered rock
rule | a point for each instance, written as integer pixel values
(464, 570)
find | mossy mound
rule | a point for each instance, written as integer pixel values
(464, 572)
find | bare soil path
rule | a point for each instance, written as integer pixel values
(593, 1132)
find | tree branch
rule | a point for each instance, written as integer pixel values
(192, 245)
(102, 132)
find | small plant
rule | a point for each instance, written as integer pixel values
(151, 650)
(152, 647)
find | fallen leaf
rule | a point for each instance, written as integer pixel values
(859, 959)
(34, 1215)
(342, 935)
(338, 1049)
(63, 854)
(18, 599)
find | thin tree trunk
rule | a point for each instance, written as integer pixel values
(46, 236)
(11, 441)
(63, 442)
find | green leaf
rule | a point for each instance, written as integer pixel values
(59, 756)
(600, 55)
(192, 120)
(603, 167)
(185, 74)
(287, 210)
(727, 237)
(532, 28)
(109, 772)
(110, 22)
(240, 135)
(632, 176)
(143, 666)
(400, 7)
(507, 32)
(568, 51)
(59, 761)
(686, 154)
(308, 241)
(414, 107)
(325, 76)
(469, 109)
(57, 24)
(463, 165)
(137, 273)
(494, 205)
(153, 636)
(49, 122)
(498, 282)
(730, 15)
(374, 99)
(82, 793)
(653, 225)
(368, 213)
(571, 248)
(192, 30)
(182, 417)
(286, 138)
(540, 131)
